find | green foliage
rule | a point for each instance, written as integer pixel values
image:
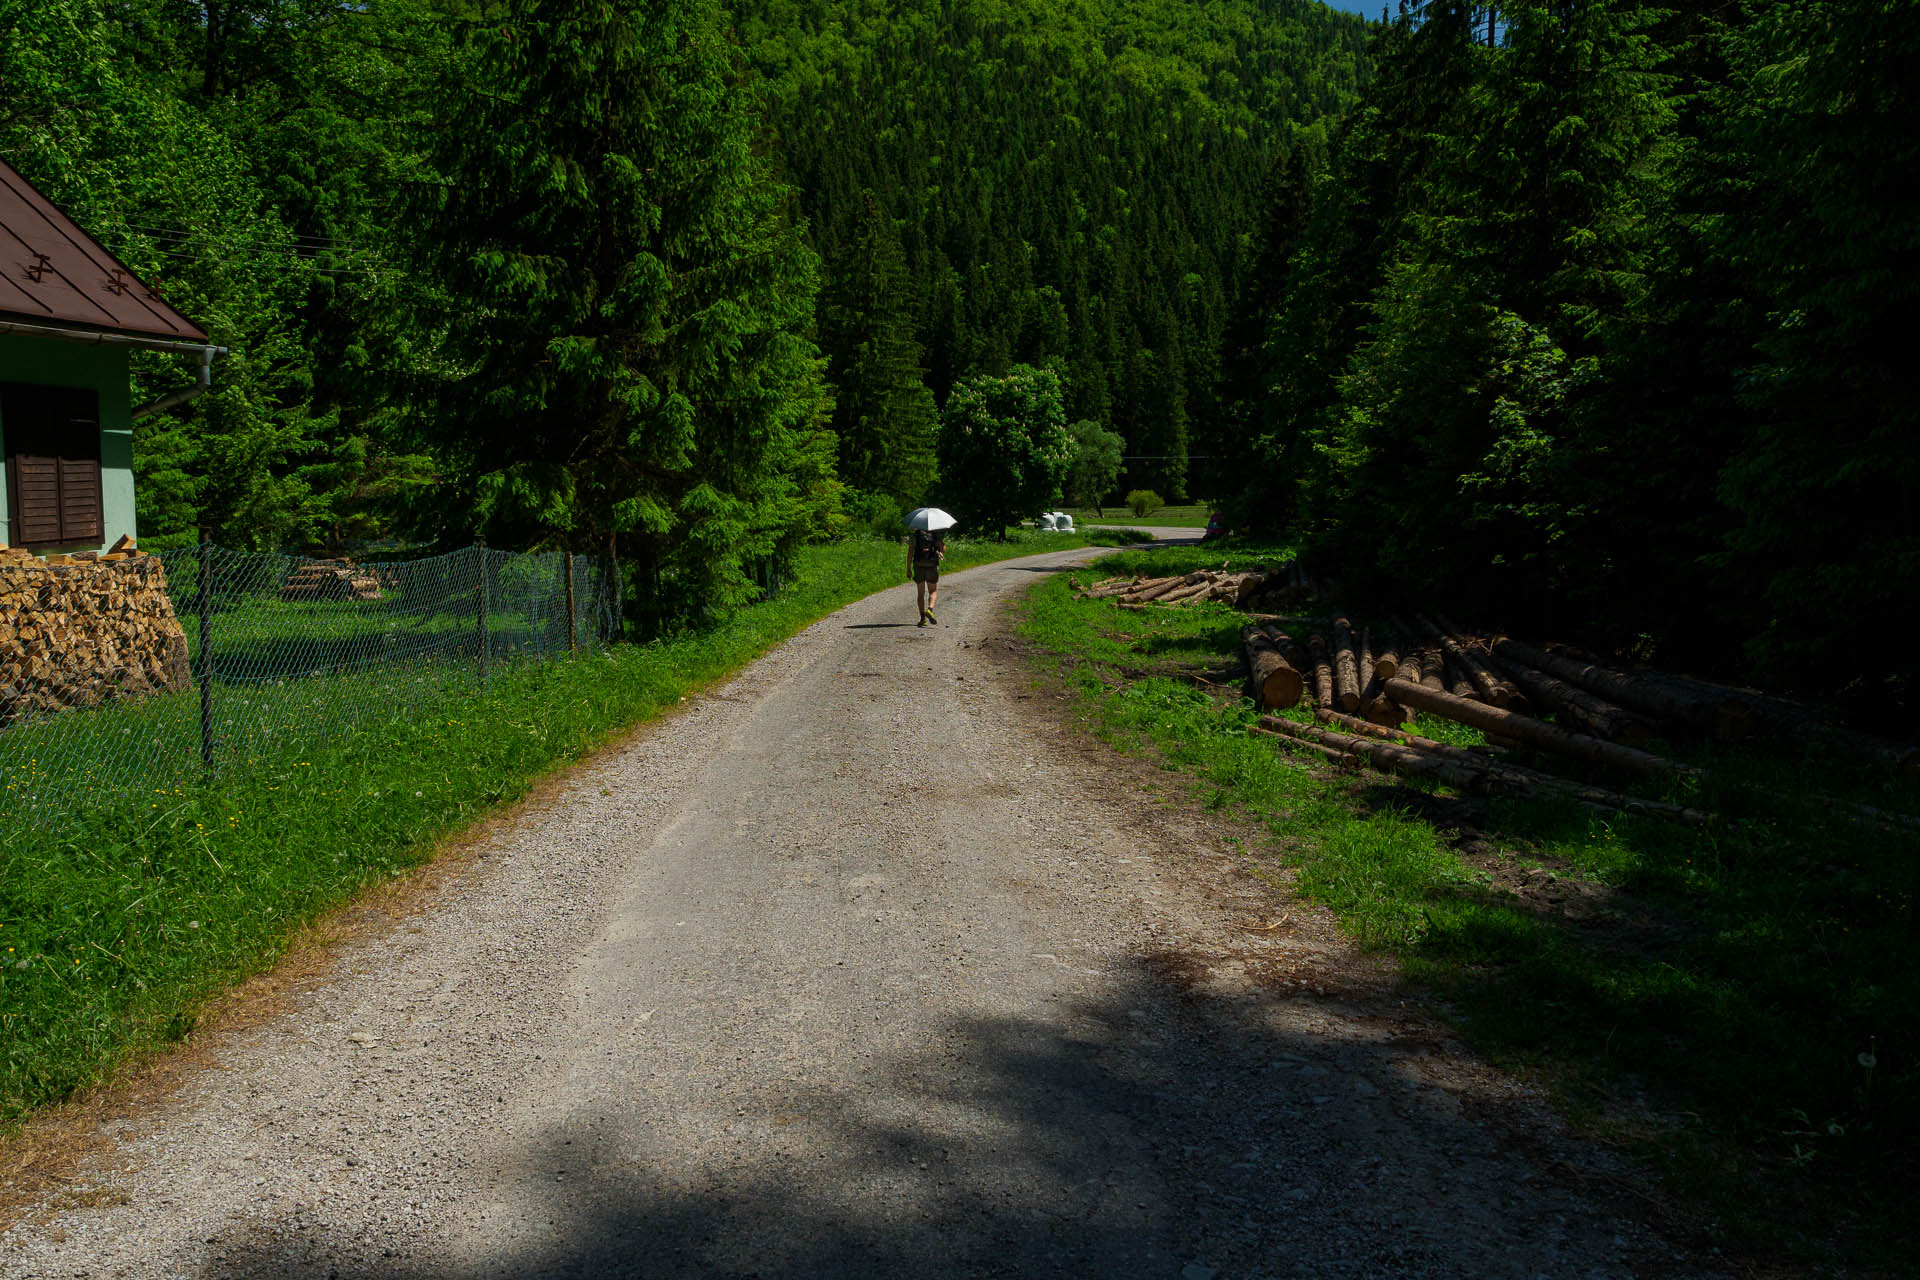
(883, 411)
(628, 355)
(1096, 463)
(873, 515)
(1595, 325)
(1004, 447)
(1144, 502)
(1070, 183)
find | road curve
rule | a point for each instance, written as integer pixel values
(864, 965)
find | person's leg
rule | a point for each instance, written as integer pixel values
(920, 594)
(933, 598)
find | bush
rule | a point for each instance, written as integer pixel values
(873, 515)
(1144, 502)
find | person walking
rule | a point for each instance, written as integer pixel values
(925, 550)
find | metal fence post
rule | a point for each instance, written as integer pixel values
(570, 614)
(616, 622)
(204, 604)
(480, 602)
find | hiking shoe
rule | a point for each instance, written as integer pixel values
(930, 617)
(923, 617)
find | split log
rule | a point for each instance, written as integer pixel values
(1592, 714)
(1632, 692)
(1385, 756)
(1322, 670)
(1275, 682)
(1346, 667)
(1494, 689)
(1537, 733)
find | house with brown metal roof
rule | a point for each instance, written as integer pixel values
(70, 316)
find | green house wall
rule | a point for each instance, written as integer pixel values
(70, 364)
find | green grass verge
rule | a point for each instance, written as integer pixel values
(118, 920)
(1758, 984)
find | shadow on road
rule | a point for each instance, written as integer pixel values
(1159, 1131)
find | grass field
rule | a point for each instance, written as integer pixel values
(121, 917)
(1741, 1006)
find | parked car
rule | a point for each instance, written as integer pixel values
(1216, 527)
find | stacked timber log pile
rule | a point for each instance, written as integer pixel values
(79, 630)
(1263, 590)
(1365, 686)
(330, 580)
(1201, 586)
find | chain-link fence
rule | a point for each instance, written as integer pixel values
(151, 671)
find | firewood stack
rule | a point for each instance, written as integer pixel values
(81, 629)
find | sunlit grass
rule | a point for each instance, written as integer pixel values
(121, 915)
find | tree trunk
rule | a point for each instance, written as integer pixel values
(1275, 682)
(1385, 756)
(1631, 692)
(1378, 707)
(1386, 663)
(1322, 670)
(1492, 688)
(1537, 733)
(1593, 715)
(1520, 777)
(1346, 667)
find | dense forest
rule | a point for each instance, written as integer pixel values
(1589, 314)
(1586, 313)
(690, 278)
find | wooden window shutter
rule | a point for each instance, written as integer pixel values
(53, 464)
(35, 498)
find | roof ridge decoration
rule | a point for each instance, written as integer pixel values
(52, 271)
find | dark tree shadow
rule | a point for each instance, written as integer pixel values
(1159, 1131)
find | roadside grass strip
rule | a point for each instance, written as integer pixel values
(1740, 1005)
(122, 917)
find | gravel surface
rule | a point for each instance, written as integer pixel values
(868, 964)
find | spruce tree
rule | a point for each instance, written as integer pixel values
(631, 298)
(883, 412)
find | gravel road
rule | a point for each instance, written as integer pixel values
(869, 963)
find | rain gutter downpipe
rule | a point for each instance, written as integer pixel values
(200, 387)
(88, 337)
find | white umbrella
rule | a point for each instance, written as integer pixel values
(930, 518)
